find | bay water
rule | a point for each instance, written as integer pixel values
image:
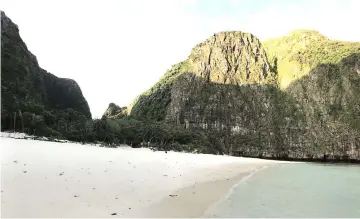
(295, 190)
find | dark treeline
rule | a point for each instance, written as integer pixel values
(72, 125)
(159, 136)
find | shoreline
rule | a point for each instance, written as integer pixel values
(212, 208)
(199, 200)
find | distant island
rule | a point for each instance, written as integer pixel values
(291, 98)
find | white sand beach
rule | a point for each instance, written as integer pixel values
(49, 179)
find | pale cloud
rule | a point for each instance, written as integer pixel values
(116, 49)
(189, 3)
(326, 16)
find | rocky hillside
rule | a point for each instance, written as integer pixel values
(296, 54)
(227, 58)
(32, 98)
(293, 97)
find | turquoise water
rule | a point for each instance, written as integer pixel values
(296, 190)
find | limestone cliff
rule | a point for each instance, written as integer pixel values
(29, 92)
(231, 58)
(228, 58)
(289, 99)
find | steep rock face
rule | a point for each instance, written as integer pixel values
(253, 119)
(230, 88)
(115, 112)
(329, 99)
(64, 93)
(27, 89)
(231, 58)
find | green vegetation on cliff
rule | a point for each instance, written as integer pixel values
(153, 103)
(296, 54)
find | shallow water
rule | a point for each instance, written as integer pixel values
(296, 190)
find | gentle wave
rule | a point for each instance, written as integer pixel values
(212, 208)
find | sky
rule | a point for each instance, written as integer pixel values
(117, 49)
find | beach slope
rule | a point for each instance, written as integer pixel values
(49, 179)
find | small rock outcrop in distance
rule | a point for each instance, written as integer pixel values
(115, 112)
